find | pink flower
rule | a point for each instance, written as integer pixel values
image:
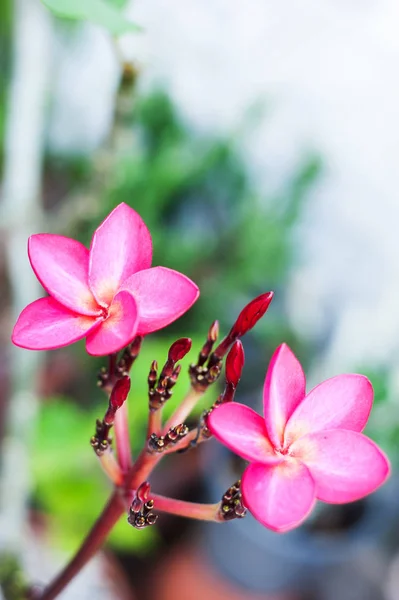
(307, 447)
(108, 294)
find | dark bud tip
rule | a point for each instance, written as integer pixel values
(234, 363)
(120, 392)
(231, 506)
(251, 314)
(135, 346)
(151, 519)
(179, 349)
(213, 332)
(177, 370)
(136, 505)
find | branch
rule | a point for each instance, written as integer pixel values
(94, 540)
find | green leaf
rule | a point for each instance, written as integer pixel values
(97, 11)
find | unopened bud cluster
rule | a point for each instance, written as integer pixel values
(202, 374)
(160, 389)
(205, 372)
(231, 506)
(101, 440)
(234, 365)
(107, 378)
(209, 364)
(141, 510)
(246, 320)
(159, 443)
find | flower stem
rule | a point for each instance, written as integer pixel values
(111, 514)
(141, 469)
(154, 422)
(111, 467)
(101, 528)
(134, 475)
(122, 439)
(183, 411)
(191, 510)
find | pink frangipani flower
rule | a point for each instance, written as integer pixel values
(306, 448)
(108, 294)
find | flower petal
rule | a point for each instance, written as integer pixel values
(45, 324)
(342, 402)
(61, 265)
(121, 246)
(243, 431)
(118, 329)
(162, 295)
(283, 390)
(345, 465)
(280, 496)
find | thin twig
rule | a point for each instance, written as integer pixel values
(191, 510)
(122, 438)
(94, 540)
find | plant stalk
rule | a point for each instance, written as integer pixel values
(111, 467)
(122, 438)
(111, 514)
(190, 510)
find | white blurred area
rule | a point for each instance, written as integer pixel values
(328, 73)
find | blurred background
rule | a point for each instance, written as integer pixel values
(259, 142)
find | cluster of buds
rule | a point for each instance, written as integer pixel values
(117, 398)
(209, 364)
(246, 320)
(234, 366)
(101, 440)
(160, 389)
(159, 443)
(202, 374)
(120, 368)
(141, 510)
(231, 506)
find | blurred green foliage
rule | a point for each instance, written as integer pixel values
(105, 13)
(13, 583)
(205, 214)
(5, 62)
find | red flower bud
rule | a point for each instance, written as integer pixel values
(119, 392)
(136, 505)
(143, 491)
(234, 363)
(251, 314)
(179, 349)
(135, 346)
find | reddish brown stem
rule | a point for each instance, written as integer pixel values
(122, 438)
(141, 469)
(191, 510)
(101, 528)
